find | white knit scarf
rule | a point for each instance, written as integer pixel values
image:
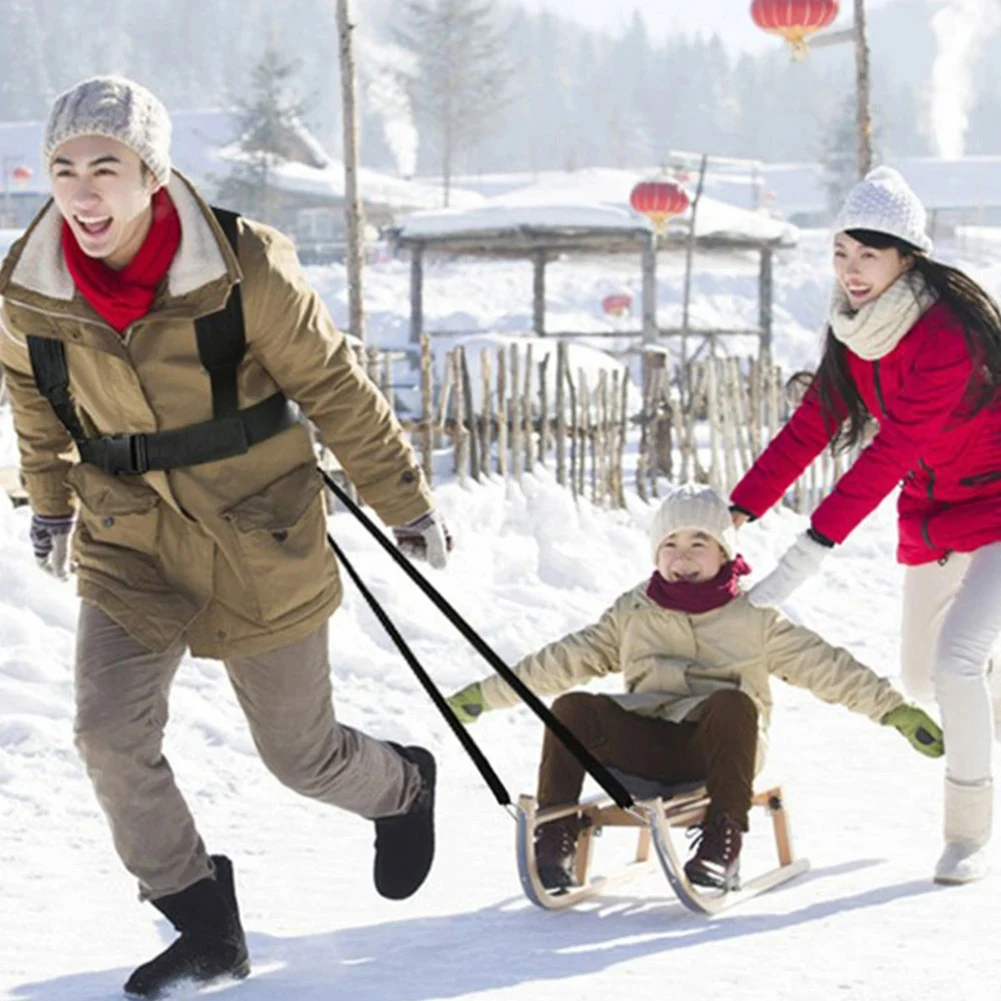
(873, 331)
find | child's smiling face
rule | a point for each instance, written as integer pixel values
(689, 556)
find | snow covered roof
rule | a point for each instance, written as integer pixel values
(203, 149)
(376, 188)
(590, 202)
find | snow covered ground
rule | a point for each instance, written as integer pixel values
(866, 924)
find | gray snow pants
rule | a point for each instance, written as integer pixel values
(121, 712)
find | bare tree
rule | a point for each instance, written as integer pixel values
(462, 71)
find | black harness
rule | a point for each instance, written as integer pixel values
(222, 344)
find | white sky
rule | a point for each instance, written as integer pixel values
(731, 18)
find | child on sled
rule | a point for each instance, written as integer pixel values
(696, 659)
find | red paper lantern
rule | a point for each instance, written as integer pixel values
(794, 20)
(617, 304)
(659, 200)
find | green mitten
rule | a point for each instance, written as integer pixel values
(922, 732)
(467, 703)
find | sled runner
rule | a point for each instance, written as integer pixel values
(657, 809)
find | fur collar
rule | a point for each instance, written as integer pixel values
(200, 260)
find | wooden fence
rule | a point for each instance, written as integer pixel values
(502, 413)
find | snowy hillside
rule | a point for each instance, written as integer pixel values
(866, 924)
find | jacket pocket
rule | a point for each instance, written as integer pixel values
(281, 535)
(116, 511)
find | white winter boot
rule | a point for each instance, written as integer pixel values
(968, 813)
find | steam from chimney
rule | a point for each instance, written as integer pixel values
(385, 69)
(960, 28)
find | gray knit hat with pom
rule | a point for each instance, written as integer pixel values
(115, 107)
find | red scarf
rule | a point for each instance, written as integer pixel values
(122, 297)
(704, 596)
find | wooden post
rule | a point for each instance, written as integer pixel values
(862, 112)
(561, 416)
(515, 415)
(689, 261)
(587, 435)
(461, 440)
(765, 292)
(446, 391)
(643, 457)
(650, 289)
(543, 410)
(539, 293)
(601, 437)
(712, 408)
(427, 394)
(754, 397)
(469, 416)
(486, 411)
(354, 252)
(502, 416)
(741, 417)
(526, 412)
(574, 429)
(416, 292)
(623, 428)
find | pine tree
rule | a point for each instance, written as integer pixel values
(270, 133)
(463, 72)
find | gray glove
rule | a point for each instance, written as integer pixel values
(799, 562)
(50, 539)
(425, 538)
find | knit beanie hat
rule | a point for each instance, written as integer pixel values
(698, 508)
(885, 203)
(118, 108)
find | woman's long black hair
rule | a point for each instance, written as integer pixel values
(974, 308)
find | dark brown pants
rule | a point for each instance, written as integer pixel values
(719, 748)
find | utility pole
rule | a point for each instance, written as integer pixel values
(863, 115)
(353, 215)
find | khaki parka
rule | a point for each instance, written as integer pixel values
(230, 554)
(671, 662)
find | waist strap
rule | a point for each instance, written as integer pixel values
(208, 441)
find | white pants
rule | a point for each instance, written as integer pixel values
(951, 622)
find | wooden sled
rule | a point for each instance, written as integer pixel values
(657, 808)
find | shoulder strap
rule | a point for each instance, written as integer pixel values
(48, 365)
(221, 338)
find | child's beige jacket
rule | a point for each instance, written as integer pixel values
(672, 661)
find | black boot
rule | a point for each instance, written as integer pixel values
(404, 843)
(211, 944)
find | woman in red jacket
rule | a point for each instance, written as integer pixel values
(916, 346)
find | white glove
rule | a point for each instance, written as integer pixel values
(799, 562)
(425, 538)
(50, 539)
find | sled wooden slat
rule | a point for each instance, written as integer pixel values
(654, 819)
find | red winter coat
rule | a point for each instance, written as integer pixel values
(950, 464)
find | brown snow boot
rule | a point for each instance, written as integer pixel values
(716, 861)
(555, 852)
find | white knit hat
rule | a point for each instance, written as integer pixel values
(115, 107)
(698, 508)
(885, 203)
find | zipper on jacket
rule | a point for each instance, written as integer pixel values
(879, 388)
(930, 489)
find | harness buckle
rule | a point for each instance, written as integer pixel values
(124, 454)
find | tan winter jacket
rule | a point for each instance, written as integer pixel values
(671, 662)
(231, 553)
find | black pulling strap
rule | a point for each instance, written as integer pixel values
(472, 748)
(595, 768)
